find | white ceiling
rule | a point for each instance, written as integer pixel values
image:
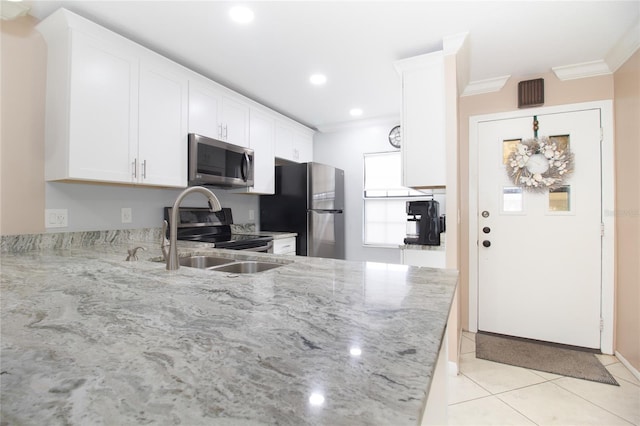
(355, 43)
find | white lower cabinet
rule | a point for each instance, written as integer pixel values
(284, 246)
(428, 258)
(436, 409)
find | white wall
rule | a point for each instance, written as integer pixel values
(97, 207)
(345, 149)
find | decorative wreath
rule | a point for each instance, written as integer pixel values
(538, 164)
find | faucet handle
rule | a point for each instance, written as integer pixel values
(132, 253)
(164, 246)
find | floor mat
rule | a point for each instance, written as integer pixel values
(542, 356)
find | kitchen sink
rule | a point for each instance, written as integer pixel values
(246, 267)
(223, 264)
(203, 262)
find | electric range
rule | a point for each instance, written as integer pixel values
(202, 225)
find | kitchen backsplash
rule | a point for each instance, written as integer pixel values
(64, 240)
(98, 207)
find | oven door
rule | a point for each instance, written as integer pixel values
(217, 163)
(257, 245)
(263, 248)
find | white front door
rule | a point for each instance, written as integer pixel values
(539, 254)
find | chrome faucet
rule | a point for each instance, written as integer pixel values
(172, 255)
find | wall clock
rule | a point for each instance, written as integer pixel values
(395, 137)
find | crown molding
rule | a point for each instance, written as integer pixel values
(453, 43)
(618, 55)
(485, 86)
(582, 70)
(625, 47)
(10, 10)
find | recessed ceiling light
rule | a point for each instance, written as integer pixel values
(318, 79)
(355, 112)
(241, 14)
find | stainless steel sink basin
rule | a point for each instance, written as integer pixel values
(203, 262)
(222, 264)
(246, 267)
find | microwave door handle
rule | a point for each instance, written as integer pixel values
(245, 167)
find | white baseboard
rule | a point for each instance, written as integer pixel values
(452, 368)
(627, 364)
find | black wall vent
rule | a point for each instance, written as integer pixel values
(531, 93)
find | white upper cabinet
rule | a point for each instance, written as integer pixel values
(217, 115)
(91, 106)
(204, 106)
(423, 121)
(116, 112)
(162, 125)
(293, 144)
(262, 133)
(235, 122)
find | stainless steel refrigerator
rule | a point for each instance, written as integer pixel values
(309, 200)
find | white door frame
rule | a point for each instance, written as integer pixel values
(607, 310)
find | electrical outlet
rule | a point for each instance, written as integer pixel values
(126, 215)
(252, 214)
(55, 218)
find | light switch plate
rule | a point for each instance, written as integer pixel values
(55, 218)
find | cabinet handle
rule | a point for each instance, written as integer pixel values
(144, 169)
(225, 132)
(135, 168)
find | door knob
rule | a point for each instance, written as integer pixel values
(486, 229)
(486, 243)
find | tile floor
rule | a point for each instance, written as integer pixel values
(489, 393)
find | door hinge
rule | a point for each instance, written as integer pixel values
(601, 134)
(602, 229)
(601, 324)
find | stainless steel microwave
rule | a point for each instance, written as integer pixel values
(217, 163)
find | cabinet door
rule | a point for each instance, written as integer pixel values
(204, 109)
(423, 122)
(162, 149)
(428, 258)
(284, 246)
(284, 142)
(235, 122)
(262, 141)
(102, 109)
(302, 147)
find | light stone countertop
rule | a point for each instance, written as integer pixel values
(88, 338)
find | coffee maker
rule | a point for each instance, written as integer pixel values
(425, 223)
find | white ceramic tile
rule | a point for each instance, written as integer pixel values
(461, 388)
(623, 400)
(606, 359)
(545, 375)
(549, 404)
(485, 411)
(467, 345)
(496, 377)
(619, 371)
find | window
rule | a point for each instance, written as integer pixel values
(385, 199)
